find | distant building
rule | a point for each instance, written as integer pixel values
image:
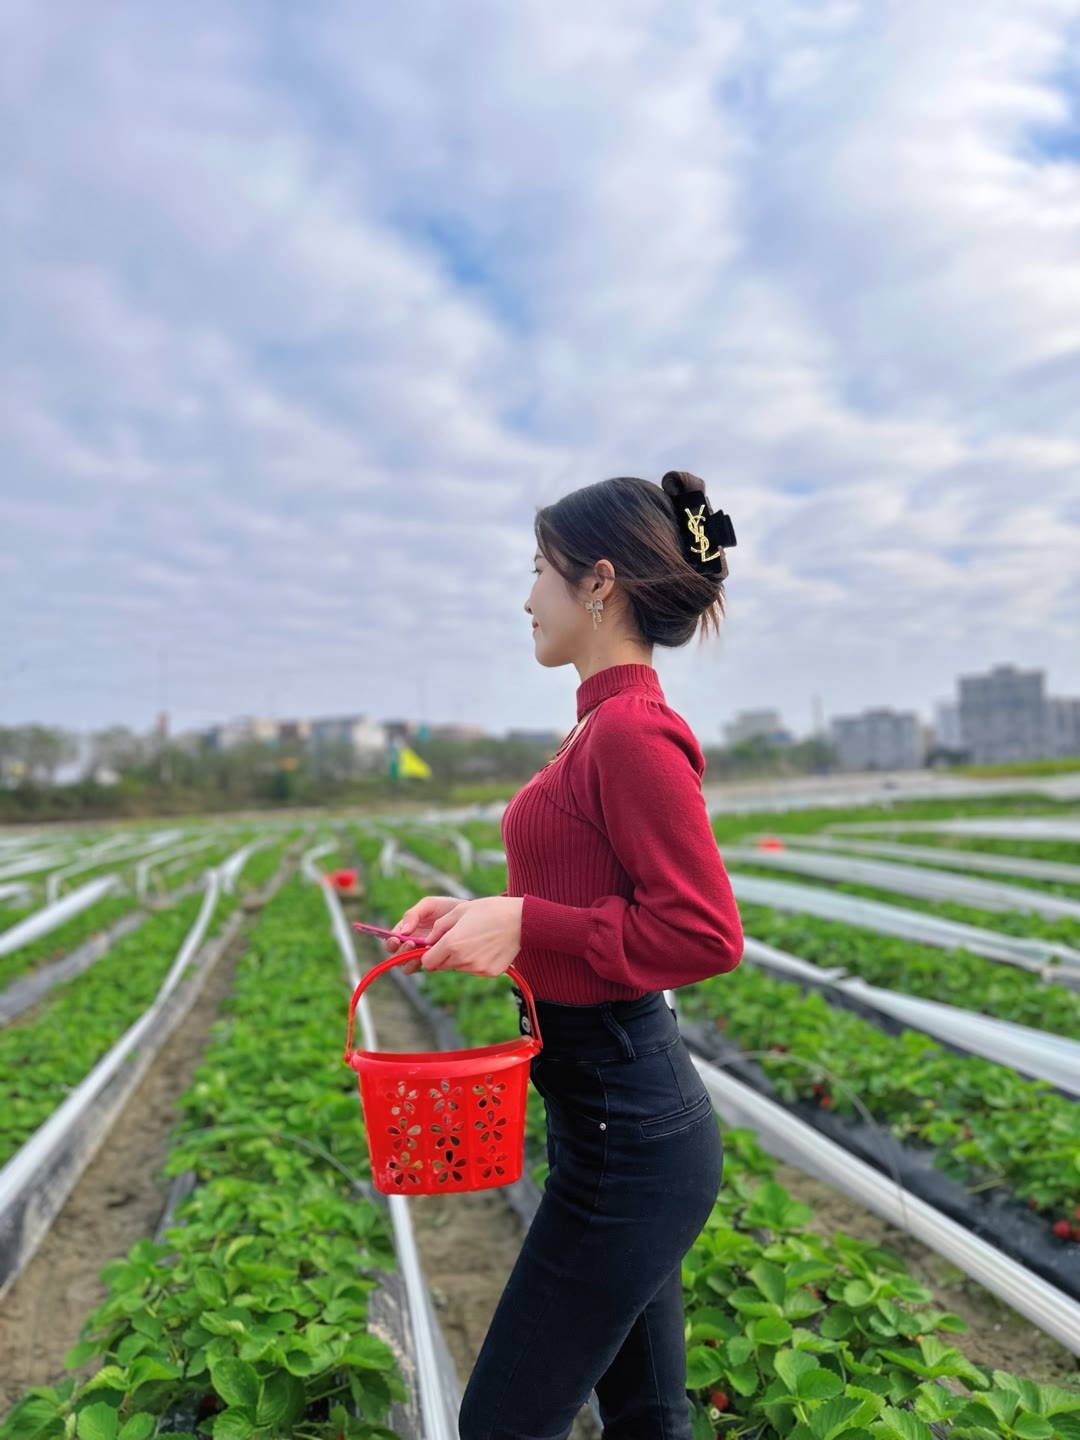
(947, 726)
(293, 732)
(1062, 727)
(542, 738)
(756, 725)
(879, 739)
(1003, 715)
(248, 730)
(365, 738)
(457, 732)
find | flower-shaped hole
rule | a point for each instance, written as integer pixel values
(405, 1169)
(402, 1137)
(494, 1164)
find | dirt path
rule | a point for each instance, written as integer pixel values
(468, 1243)
(119, 1200)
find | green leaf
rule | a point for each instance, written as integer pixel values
(900, 1425)
(281, 1402)
(32, 1415)
(770, 1280)
(1032, 1427)
(739, 1349)
(233, 1425)
(150, 1367)
(1054, 1400)
(210, 1285)
(109, 1377)
(139, 1427)
(769, 1330)
(369, 1353)
(790, 1364)
(97, 1422)
(857, 1293)
(299, 1362)
(236, 1382)
(79, 1354)
(703, 1367)
(744, 1378)
(828, 1420)
(819, 1384)
(147, 1324)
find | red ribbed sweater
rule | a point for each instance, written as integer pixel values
(611, 847)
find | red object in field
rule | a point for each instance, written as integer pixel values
(449, 1121)
(342, 879)
(770, 842)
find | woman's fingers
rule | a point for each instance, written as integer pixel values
(403, 927)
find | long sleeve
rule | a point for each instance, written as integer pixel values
(642, 788)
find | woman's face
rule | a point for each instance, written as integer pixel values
(561, 623)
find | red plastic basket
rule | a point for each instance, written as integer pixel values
(449, 1121)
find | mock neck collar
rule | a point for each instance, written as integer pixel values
(613, 679)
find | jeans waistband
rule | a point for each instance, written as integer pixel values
(612, 1030)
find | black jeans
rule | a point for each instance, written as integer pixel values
(595, 1297)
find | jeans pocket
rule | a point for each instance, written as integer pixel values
(575, 1096)
(674, 1123)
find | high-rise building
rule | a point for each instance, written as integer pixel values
(879, 739)
(1003, 715)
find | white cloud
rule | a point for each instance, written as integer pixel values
(306, 320)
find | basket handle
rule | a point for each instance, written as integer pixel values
(400, 959)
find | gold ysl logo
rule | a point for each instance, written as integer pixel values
(696, 520)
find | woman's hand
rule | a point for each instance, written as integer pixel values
(481, 937)
(418, 920)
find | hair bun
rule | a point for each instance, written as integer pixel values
(681, 482)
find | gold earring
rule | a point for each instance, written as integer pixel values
(595, 606)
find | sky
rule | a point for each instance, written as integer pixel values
(308, 310)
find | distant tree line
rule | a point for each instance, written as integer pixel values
(121, 773)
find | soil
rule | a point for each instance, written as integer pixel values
(468, 1243)
(118, 1201)
(998, 1336)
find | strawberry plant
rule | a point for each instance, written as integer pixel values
(47, 1052)
(249, 1320)
(1023, 924)
(986, 1124)
(65, 938)
(956, 977)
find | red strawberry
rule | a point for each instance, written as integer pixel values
(1062, 1229)
(720, 1398)
(711, 1344)
(826, 1100)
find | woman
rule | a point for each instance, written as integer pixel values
(616, 891)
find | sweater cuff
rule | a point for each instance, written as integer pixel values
(547, 925)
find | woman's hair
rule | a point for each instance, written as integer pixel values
(633, 523)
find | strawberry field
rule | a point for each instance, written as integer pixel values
(267, 1300)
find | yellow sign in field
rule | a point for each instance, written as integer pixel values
(410, 766)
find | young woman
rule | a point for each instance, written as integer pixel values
(616, 892)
